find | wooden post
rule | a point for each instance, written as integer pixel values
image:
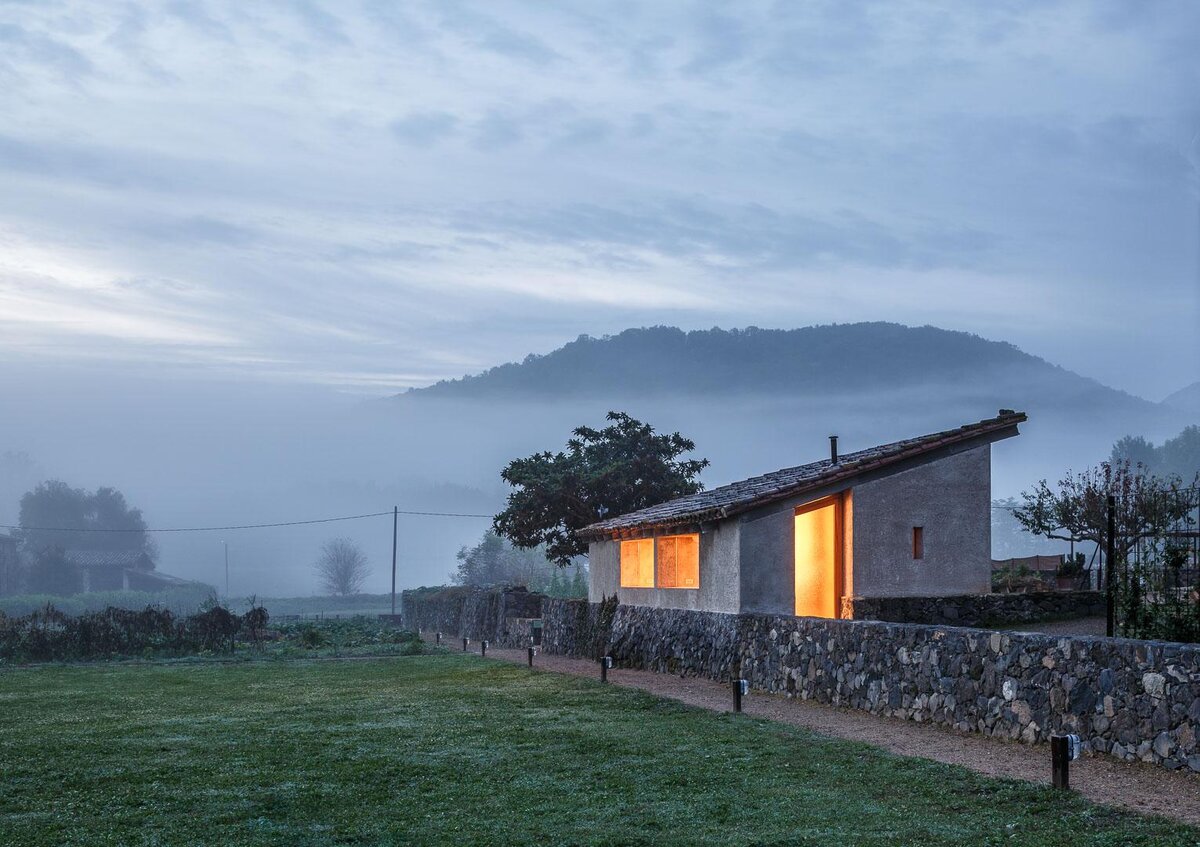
(465, 642)
(605, 664)
(483, 647)
(1060, 762)
(531, 657)
(395, 518)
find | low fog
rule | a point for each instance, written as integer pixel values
(197, 453)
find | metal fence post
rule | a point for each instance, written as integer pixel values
(1110, 553)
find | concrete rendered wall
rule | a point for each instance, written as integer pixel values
(719, 589)
(748, 562)
(768, 553)
(951, 499)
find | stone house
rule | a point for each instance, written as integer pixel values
(906, 519)
(119, 570)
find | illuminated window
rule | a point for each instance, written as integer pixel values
(918, 542)
(637, 563)
(679, 561)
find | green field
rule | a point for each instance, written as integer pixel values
(450, 749)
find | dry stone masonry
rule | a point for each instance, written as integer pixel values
(977, 609)
(1136, 700)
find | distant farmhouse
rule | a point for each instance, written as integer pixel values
(119, 570)
(911, 518)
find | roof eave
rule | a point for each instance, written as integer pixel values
(997, 429)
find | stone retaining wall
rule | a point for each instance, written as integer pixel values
(473, 613)
(1131, 699)
(1136, 700)
(977, 609)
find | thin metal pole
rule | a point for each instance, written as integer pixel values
(226, 545)
(395, 518)
(1110, 584)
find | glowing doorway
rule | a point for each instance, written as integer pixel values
(819, 558)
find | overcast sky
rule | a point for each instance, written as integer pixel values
(378, 195)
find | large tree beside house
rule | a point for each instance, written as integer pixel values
(55, 515)
(621, 468)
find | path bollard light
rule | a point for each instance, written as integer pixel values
(605, 664)
(438, 638)
(531, 657)
(1064, 749)
(483, 647)
(741, 687)
(466, 641)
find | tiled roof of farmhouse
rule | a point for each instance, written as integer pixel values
(736, 497)
(105, 558)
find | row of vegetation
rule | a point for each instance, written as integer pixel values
(49, 635)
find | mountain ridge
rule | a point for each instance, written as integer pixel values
(819, 359)
(1186, 399)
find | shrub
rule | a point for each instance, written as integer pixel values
(48, 634)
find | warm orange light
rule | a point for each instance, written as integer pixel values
(679, 561)
(637, 563)
(818, 557)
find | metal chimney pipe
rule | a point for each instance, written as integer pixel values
(833, 456)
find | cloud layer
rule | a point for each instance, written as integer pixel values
(375, 196)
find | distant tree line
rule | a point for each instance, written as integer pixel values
(1175, 457)
(494, 561)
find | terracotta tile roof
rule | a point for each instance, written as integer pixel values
(106, 558)
(736, 497)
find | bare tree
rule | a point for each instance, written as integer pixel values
(342, 567)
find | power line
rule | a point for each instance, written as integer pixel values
(253, 525)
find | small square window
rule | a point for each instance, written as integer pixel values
(918, 542)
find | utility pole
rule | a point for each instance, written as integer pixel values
(395, 518)
(226, 545)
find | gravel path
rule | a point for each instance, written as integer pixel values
(1148, 789)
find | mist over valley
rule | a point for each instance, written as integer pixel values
(200, 453)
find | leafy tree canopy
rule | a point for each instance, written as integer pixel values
(603, 473)
(53, 513)
(1076, 510)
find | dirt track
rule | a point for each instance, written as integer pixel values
(1142, 788)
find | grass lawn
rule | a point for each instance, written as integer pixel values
(456, 750)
